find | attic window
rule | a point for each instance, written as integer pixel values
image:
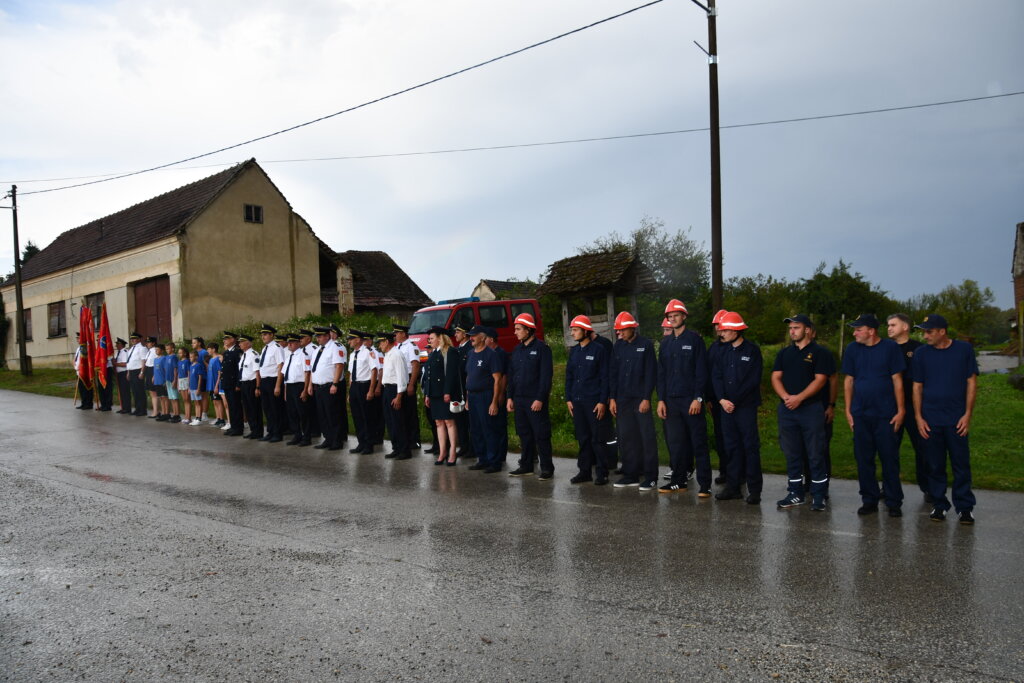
(253, 213)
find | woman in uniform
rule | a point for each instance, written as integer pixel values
(442, 386)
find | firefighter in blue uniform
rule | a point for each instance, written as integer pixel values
(529, 388)
(230, 378)
(682, 381)
(736, 376)
(713, 405)
(586, 394)
(633, 378)
(483, 394)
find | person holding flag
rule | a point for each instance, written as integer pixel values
(103, 361)
(82, 369)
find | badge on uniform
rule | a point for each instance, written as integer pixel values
(641, 349)
(687, 348)
(533, 353)
(589, 357)
(746, 358)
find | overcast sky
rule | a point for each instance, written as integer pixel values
(915, 200)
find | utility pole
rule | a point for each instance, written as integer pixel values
(716, 157)
(19, 302)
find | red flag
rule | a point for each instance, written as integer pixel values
(85, 346)
(104, 347)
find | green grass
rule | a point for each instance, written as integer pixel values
(997, 437)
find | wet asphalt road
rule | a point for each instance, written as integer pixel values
(131, 550)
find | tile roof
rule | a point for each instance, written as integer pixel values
(617, 270)
(377, 281)
(145, 222)
(523, 288)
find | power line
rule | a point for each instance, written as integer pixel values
(358, 106)
(549, 143)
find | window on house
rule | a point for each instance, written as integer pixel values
(253, 213)
(27, 317)
(58, 321)
(94, 302)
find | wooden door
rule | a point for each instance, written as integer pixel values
(153, 307)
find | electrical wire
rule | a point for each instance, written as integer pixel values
(604, 138)
(358, 106)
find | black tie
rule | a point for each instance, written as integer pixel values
(263, 355)
(355, 364)
(289, 367)
(317, 359)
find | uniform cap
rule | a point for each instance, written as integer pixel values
(732, 321)
(865, 320)
(334, 328)
(380, 336)
(460, 328)
(353, 334)
(477, 329)
(267, 329)
(291, 337)
(582, 322)
(933, 321)
(322, 330)
(491, 332)
(245, 337)
(152, 340)
(526, 320)
(799, 318)
(400, 328)
(305, 333)
(281, 337)
(437, 329)
(120, 341)
(718, 317)
(675, 306)
(625, 320)
(226, 335)
(136, 335)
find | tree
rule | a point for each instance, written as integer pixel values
(680, 264)
(764, 302)
(965, 305)
(827, 296)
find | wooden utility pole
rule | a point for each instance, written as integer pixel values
(716, 156)
(19, 316)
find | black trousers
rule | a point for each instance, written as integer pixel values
(124, 392)
(107, 392)
(271, 407)
(412, 419)
(719, 437)
(359, 407)
(375, 419)
(342, 404)
(234, 401)
(138, 391)
(85, 395)
(327, 413)
(534, 430)
(298, 416)
(396, 420)
(462, 423)
(589, 432)
(687, 439)
(638, 441)
(251, 406)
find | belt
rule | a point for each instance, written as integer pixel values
(293, 383)
(365, 381)
(325, 384)
(392, 384)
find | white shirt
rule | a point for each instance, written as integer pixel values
(136, 356)
(365, 361)
(296, 365)
(410, 351)
(342, 355)
(270, 356)
(397, 368)
(78, 358)
(247, 365)
(321, 364)
(150, 356)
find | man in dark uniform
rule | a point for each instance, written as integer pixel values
(268, 383)
(309, 406)
(898, 327)
(483, 391)
(633, 378)
(121, 367)
(586, 394)
(714, 407)
(800, 374)
(529, 389)
(501, 364)
(135, 362)
(873, 389)
(736, 375)
(608, 435)
(229, 383)
(249, 388)
(394, 380)
(945, 374)
(364, 371)
(682, 381)
(462, 421)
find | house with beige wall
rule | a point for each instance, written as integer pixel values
(222, 250)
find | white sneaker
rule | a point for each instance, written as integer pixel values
(196, 422)
(226, 427)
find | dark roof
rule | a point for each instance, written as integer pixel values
(513, 287)
(145, 222)
(377, 281)
(617, 270)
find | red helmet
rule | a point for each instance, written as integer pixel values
(674, 306)
(666, 323)
(526, 320)
(732, 321)
(718, 317)
(625, 320)
(582, 322)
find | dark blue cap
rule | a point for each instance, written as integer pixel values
(865, 320)
(933, 321)
(799, 318)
